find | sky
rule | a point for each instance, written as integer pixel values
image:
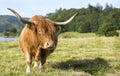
(28, 8)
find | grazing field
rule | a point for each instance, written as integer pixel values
(75, 55)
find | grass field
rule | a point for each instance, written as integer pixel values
(76, 55)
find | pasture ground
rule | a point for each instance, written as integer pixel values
(75, 55)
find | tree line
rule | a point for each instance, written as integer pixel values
(95, 19)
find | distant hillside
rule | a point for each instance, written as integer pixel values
(8, 21)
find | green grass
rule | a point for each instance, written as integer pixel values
(80, 55)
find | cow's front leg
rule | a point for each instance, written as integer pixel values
(28, 62)
(43, 60)
(37, 58)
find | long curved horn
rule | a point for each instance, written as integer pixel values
(67, 21)
(19, 17)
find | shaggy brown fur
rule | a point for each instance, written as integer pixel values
(33, 38)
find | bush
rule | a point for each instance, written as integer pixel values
(107, 29)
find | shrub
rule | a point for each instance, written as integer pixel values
(107, 29)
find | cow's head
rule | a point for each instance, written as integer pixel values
(45, 30)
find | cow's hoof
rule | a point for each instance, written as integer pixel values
(42, 69)
(28, 71)
(35, 65)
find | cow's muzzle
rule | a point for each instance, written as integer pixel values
(49, 45)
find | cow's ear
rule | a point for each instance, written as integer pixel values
(58, 29)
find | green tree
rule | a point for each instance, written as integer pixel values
(10, 32)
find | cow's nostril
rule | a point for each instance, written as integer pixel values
(48, 44)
